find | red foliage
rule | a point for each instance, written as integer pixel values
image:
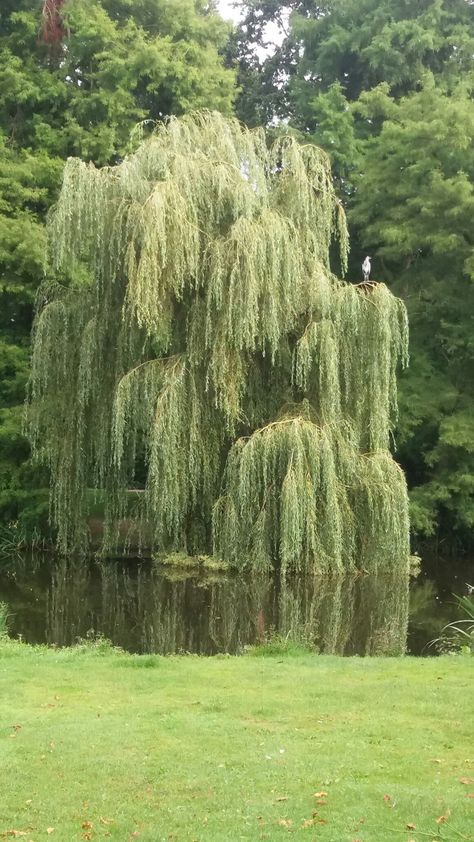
(53, 28)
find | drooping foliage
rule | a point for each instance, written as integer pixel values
(385, 87)
(75, 78)
(212, 361)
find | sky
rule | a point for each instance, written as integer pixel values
(226, 8)
(229, 12)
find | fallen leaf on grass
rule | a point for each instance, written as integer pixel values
(87, 825)
(387, 798)
(466, 781)
(444, 818)
(320, 794)
(308, 823)
(282, 798)
(105, 821)
(411, 826)
(285, 822)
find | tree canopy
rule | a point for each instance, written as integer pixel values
(207, 356)
(117, 63)
(386, 89)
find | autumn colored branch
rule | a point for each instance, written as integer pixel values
(52, 31)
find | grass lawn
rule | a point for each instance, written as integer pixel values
(96, 744)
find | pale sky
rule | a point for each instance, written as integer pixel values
(272, 32)
(227, 11)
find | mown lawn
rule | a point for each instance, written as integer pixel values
(96, 744)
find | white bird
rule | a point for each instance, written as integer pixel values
(366, 267)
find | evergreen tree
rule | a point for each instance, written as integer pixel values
(213, 362)
(421, 231)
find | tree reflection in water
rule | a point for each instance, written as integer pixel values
(146, 608)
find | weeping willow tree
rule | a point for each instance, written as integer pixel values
(205, 356)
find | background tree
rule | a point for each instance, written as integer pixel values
(386, 89)
(118, 62)
(422, 233)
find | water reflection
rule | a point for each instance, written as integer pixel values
(350, 615)
(145, 608)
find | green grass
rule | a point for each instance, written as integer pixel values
(458, 636)
(97, 744)
(181, 560)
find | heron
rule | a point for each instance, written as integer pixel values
(366, 267)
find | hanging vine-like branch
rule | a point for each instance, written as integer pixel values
(203, 351)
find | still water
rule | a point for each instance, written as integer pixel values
(143, 607)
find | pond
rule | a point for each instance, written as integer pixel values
(144, 607)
